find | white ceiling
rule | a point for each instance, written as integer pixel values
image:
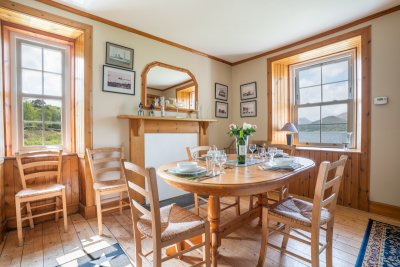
(162, 78)
(232, 29)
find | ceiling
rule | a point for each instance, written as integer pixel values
(232, 29)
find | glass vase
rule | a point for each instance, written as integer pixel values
(241, 149)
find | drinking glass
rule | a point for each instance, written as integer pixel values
(262, 152)
(272, 152)
(252, 148)
(221, 159)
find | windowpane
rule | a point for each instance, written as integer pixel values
(332, 114)
(310, 77)
(335, 72)
(33, 134)
(52, 84)
(335, 91)
(52, 60)
(333, 133)
(310, 95)
(32, 109)
(52, 117)
(32, 121)
(31, 82)
(309, 133)
(309, 115)
(31, 57)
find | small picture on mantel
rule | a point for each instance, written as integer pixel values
(221, 109)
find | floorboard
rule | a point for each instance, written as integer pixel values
(48, 245)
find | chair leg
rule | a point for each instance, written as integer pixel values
(57, 207)
(178, 247)
(156, 254)
(264, 238)
(206, 249)
(329, 240)
(120, 203)
(237, 206)
(29, 209)
(285, 237)
(99, 215)
(19, 220)
(196, 204)
(251, 203)
(315, 246)
(138, 249)
(64, 207)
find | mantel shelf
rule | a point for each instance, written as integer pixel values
(136, 117)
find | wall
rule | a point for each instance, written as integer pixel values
(384, 179)
(107, 129)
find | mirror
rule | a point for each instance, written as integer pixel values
(177, 85)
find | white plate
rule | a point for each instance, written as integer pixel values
(195, 171)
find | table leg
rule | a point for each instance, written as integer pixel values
(214, 219)
(262, 200)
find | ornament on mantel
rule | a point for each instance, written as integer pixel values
(140, 111)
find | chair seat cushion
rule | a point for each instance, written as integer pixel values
(40, 190)
(110, 185)
(175, 221)
(297, 210)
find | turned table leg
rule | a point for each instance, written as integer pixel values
(214, 219)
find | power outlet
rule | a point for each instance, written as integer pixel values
(381, 100)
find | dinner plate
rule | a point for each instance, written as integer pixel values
(196, 171)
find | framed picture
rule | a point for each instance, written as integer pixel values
(221, 92)
(248, 91)
(117, 80)
(248, 109)
(119, 56)
(221, 109)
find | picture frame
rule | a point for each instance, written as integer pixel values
(117, 80)
(221, 92)
(248, 109)
(248, 91)
(119, 56)
(221, 109)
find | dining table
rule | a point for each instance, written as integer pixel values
(236, 180)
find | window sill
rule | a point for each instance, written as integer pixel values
(329, 149)
(64, 154)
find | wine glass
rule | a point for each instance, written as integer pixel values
(272, 152)
(252, 148)
(221, 159)
(262, 152)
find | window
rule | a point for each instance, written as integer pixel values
(324, 101)
(41, 96)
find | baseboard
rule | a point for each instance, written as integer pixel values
(385, 209)
(2, 230)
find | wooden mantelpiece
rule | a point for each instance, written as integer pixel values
(140, 125)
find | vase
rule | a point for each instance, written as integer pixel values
(241, 148)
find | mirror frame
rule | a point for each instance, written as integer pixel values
(160, 64)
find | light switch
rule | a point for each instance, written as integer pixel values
(381, 100)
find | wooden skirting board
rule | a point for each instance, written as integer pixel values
(385, 209)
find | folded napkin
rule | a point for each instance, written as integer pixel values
(248, 162)
(189, 176)
(291, 167)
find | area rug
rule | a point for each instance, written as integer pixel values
(380, 246)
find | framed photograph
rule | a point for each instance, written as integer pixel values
(221, 92)
(248, 109)
(221, 109)
(248, 91)
(117, 80)
(119, 56)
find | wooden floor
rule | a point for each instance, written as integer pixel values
(48, 245)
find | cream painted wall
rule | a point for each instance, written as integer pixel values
(385, 144)
(107, 129)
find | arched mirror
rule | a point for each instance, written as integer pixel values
(177, 85)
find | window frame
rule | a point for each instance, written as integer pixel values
(17, 96)
(350, 56)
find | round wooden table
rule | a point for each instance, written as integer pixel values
(236, 181)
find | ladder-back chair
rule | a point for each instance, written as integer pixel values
(192, 153)
(167, 226)
(107, 177)
(40, 174)
(293, 214)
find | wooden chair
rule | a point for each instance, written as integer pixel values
(310, 217)
(282, 192)
(194, 151)
(107, 177)
(167, 226)
(42, 167)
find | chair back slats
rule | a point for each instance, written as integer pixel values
(105, 163)
(132, 174)
(190, 151)
(39, 164)
(321, 200)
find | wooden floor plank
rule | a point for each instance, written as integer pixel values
(11, 254)
(32, 254)
(52, 245)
